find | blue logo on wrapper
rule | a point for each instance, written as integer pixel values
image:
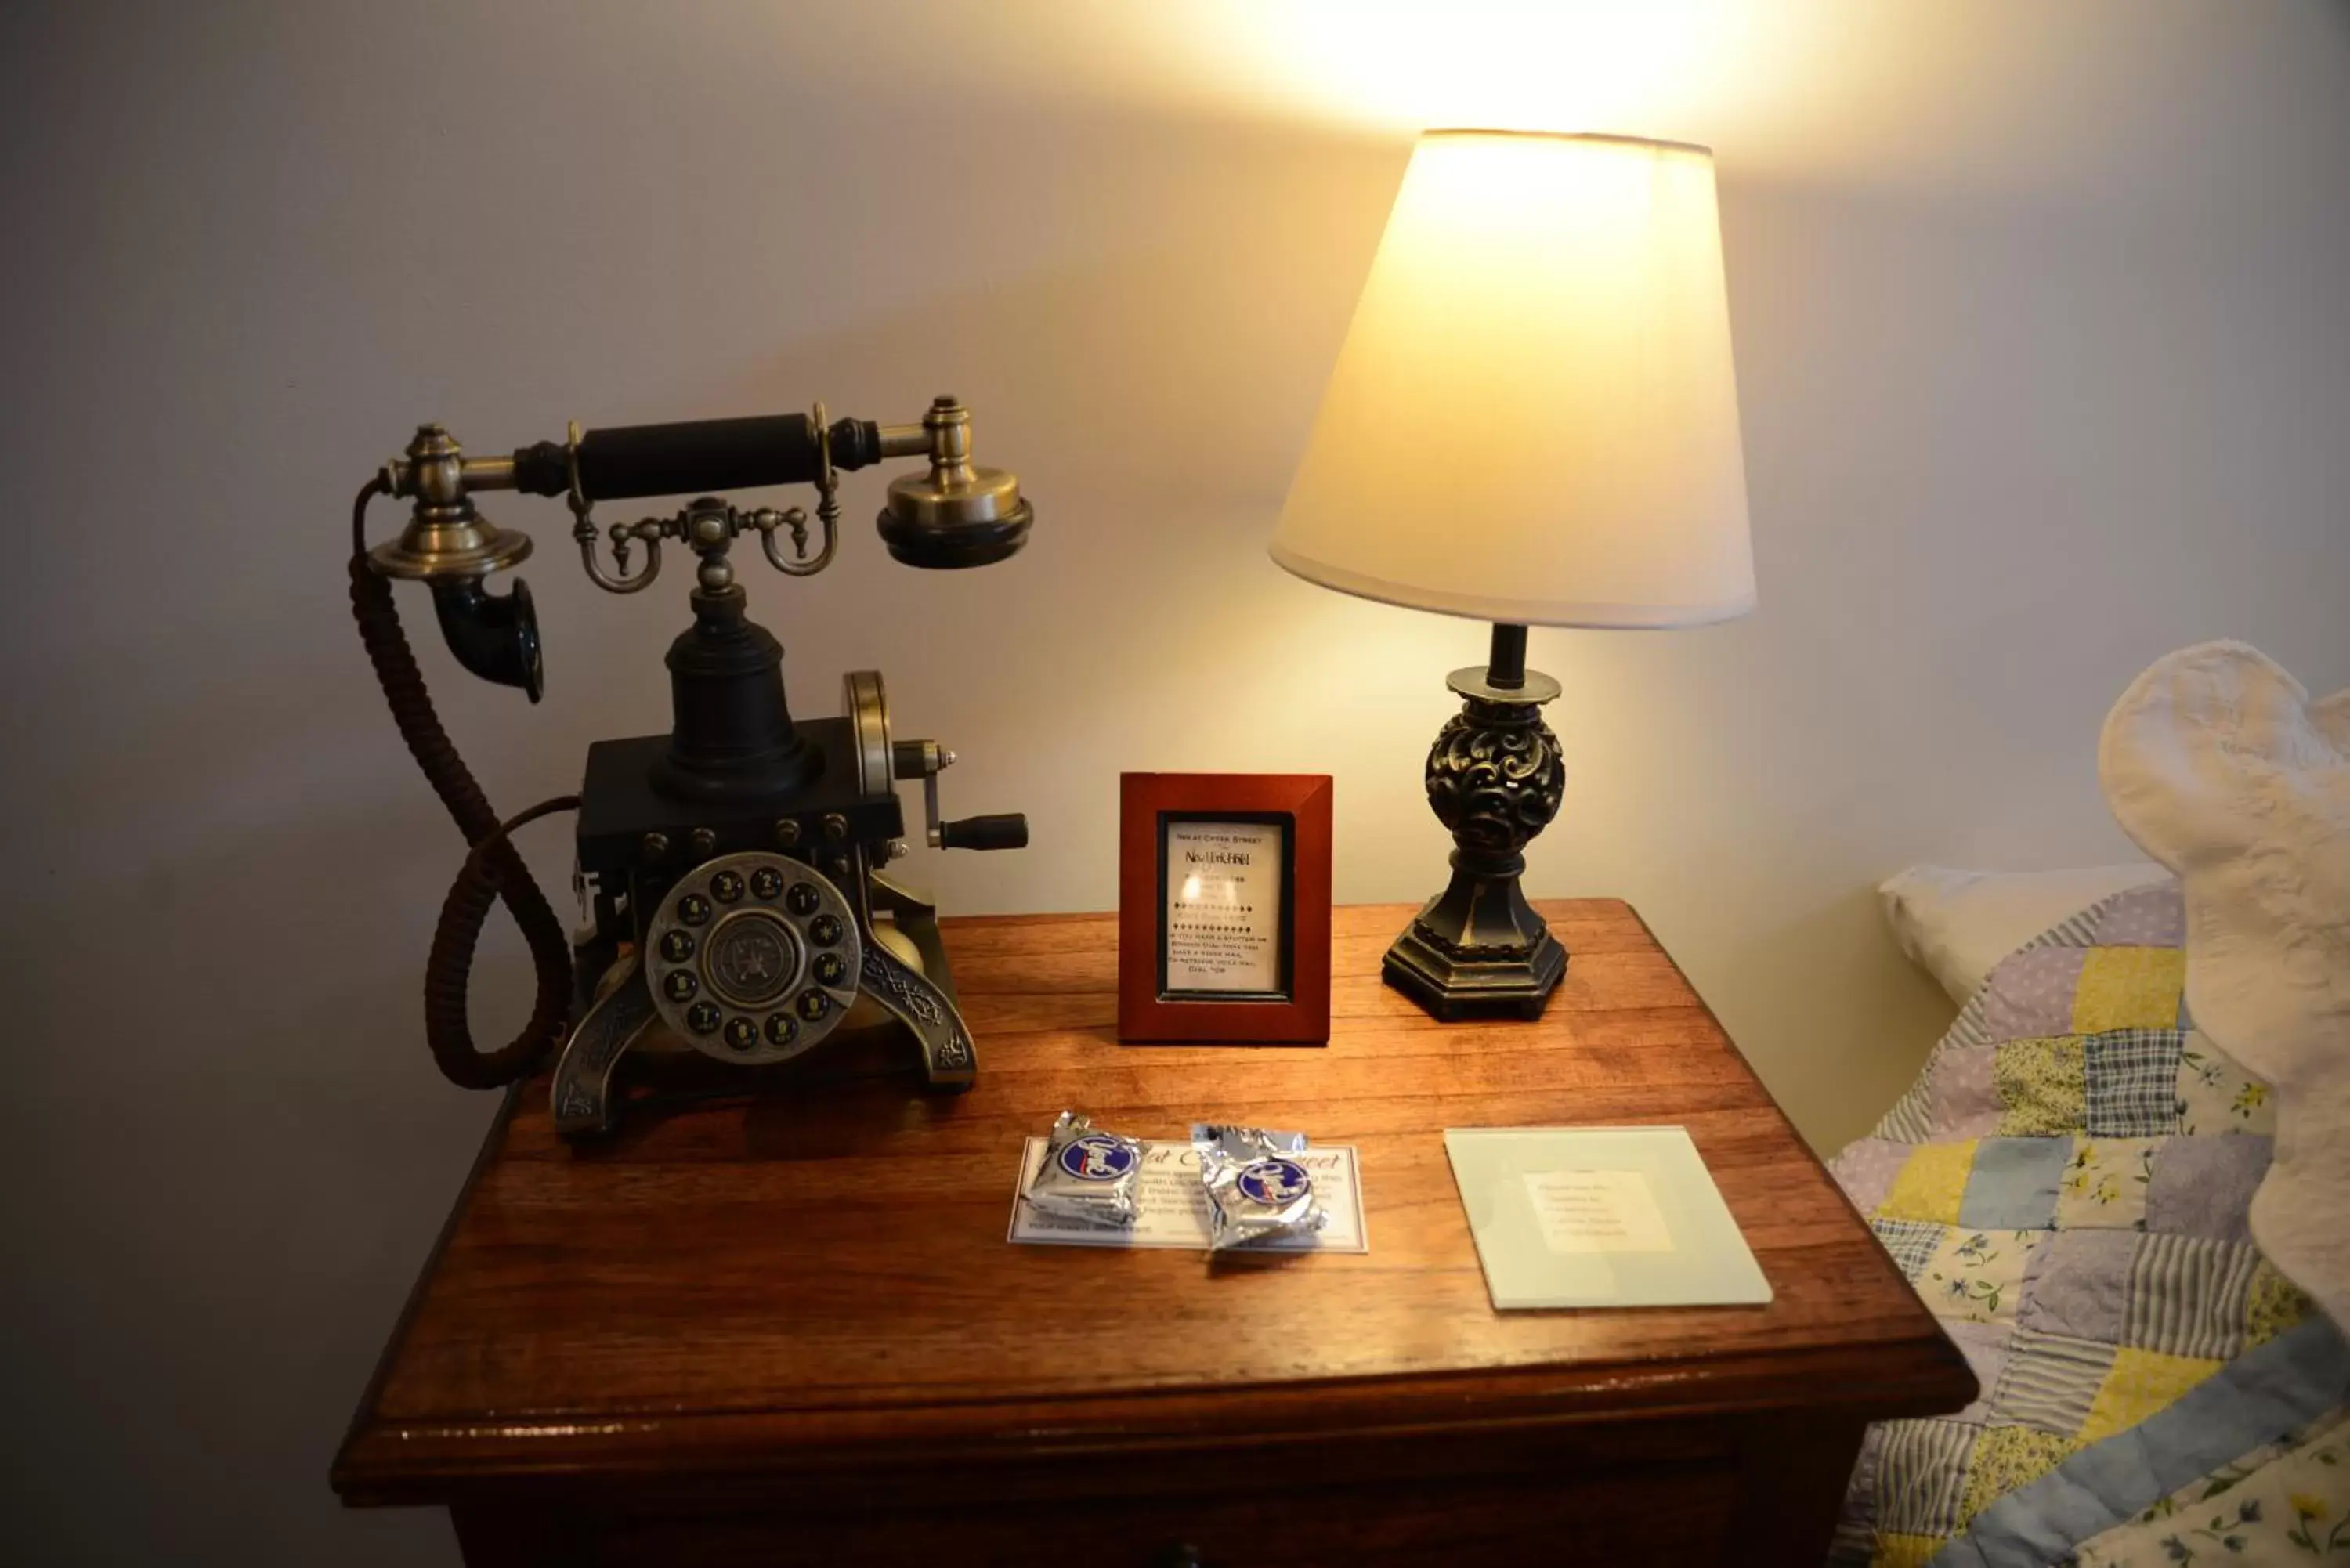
(1097, 1157)
(1274, 1182)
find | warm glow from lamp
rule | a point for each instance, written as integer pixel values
(1534, 417)
(1629, 65)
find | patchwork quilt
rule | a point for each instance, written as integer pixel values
(2067, 1186)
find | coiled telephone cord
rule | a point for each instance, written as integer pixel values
(493, 870)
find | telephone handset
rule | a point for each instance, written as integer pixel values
(734, 864)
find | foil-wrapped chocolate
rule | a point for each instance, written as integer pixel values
(1254, 1189)
(1087, 1174)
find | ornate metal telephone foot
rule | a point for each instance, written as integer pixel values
(948, 1061)
(581, 1097)
(1494, 777)
(948, 1066)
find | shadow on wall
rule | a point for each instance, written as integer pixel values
(220, 754)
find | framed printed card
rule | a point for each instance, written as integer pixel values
(1223, 909)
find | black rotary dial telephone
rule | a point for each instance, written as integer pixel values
(733, 866)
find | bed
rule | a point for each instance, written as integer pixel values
(2071, 1181)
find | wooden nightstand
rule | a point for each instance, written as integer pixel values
(792, 1330)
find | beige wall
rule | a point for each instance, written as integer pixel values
(2044, 363)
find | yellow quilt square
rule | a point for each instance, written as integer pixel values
(2140, 1383)
(2042, 1086)
(1930, 1184)
(2129, 987)
(2006, 1458)
(2272, 1303)
(1898, 1551)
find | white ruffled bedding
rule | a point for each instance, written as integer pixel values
(2222, 768)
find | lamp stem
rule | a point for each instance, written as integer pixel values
(1506, 665)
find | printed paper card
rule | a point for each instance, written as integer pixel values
(1223, 908)
(1174, 1205)
(1597, 1211)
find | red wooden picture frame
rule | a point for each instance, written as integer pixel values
(1298, 1012)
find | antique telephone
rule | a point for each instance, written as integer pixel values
(733, 866)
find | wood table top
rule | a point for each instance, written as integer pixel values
(821, 1279)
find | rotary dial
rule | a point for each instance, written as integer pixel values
(752, 958)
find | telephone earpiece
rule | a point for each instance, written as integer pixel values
(494, 636)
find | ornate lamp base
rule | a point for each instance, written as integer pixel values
(1478, 950)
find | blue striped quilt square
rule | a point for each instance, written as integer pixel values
(2050, 1381)
(2187, 1295)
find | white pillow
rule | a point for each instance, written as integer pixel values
(1959, 924)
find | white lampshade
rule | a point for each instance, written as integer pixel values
(1534, 417)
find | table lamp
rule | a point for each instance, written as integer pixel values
(1533, 422)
